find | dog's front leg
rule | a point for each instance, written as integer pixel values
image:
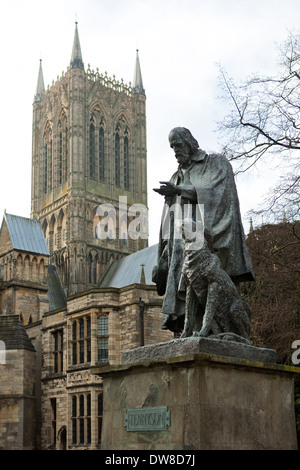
(190, 313)
(210, 311)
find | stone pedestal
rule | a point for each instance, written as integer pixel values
(197, 401)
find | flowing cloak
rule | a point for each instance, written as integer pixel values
(212, 178)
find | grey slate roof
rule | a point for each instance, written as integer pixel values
(56, 295)
(128, 270)
(26, 234)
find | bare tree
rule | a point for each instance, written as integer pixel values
(264, 122)
(275, 296)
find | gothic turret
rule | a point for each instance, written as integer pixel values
(137, 79)
(76, 59)
(40, 88)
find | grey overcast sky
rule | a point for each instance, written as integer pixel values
(179, 42)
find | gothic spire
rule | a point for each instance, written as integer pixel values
(76, 59)
(137, 79)
(40, 84)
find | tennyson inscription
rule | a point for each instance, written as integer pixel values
(147, 419)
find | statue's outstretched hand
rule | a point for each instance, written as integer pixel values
(167, 189)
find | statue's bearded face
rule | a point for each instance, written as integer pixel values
(181, 148)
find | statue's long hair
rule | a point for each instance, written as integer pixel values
(186, 135)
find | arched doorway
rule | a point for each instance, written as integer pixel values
(62, 438)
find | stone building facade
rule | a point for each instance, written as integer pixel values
(93, 330)
(17, 386)
(49, 396)
(75, 292)
(24, 264)
(89, 150)
(24, 259)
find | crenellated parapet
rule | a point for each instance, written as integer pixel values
(109, 82)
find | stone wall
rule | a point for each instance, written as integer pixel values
(28, 301)
(214, 403)
(17, 387)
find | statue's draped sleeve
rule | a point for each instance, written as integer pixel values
(214, 183)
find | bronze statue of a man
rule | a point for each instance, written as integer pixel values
(207, 182)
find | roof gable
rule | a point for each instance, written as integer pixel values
(131, 269)
(5, 239)
(25, 234)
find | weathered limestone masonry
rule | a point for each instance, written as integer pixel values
(24, 259)
(209, 402)
(17, 386)
(89, 148)
(67, 383)
(23, 273)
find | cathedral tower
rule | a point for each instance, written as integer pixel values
(88, 154)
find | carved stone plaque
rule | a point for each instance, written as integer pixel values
(147, 419)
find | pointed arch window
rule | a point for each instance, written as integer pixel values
(45, 168)
(60, 158)
(50, 164)
(117, 157)
(122, 154)
(47, 177)
(90, 264)
(62, 162)
(96, 150)
(95, 269)
(66, 154)
(101, 152)
(92, 161)
(126, 160)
